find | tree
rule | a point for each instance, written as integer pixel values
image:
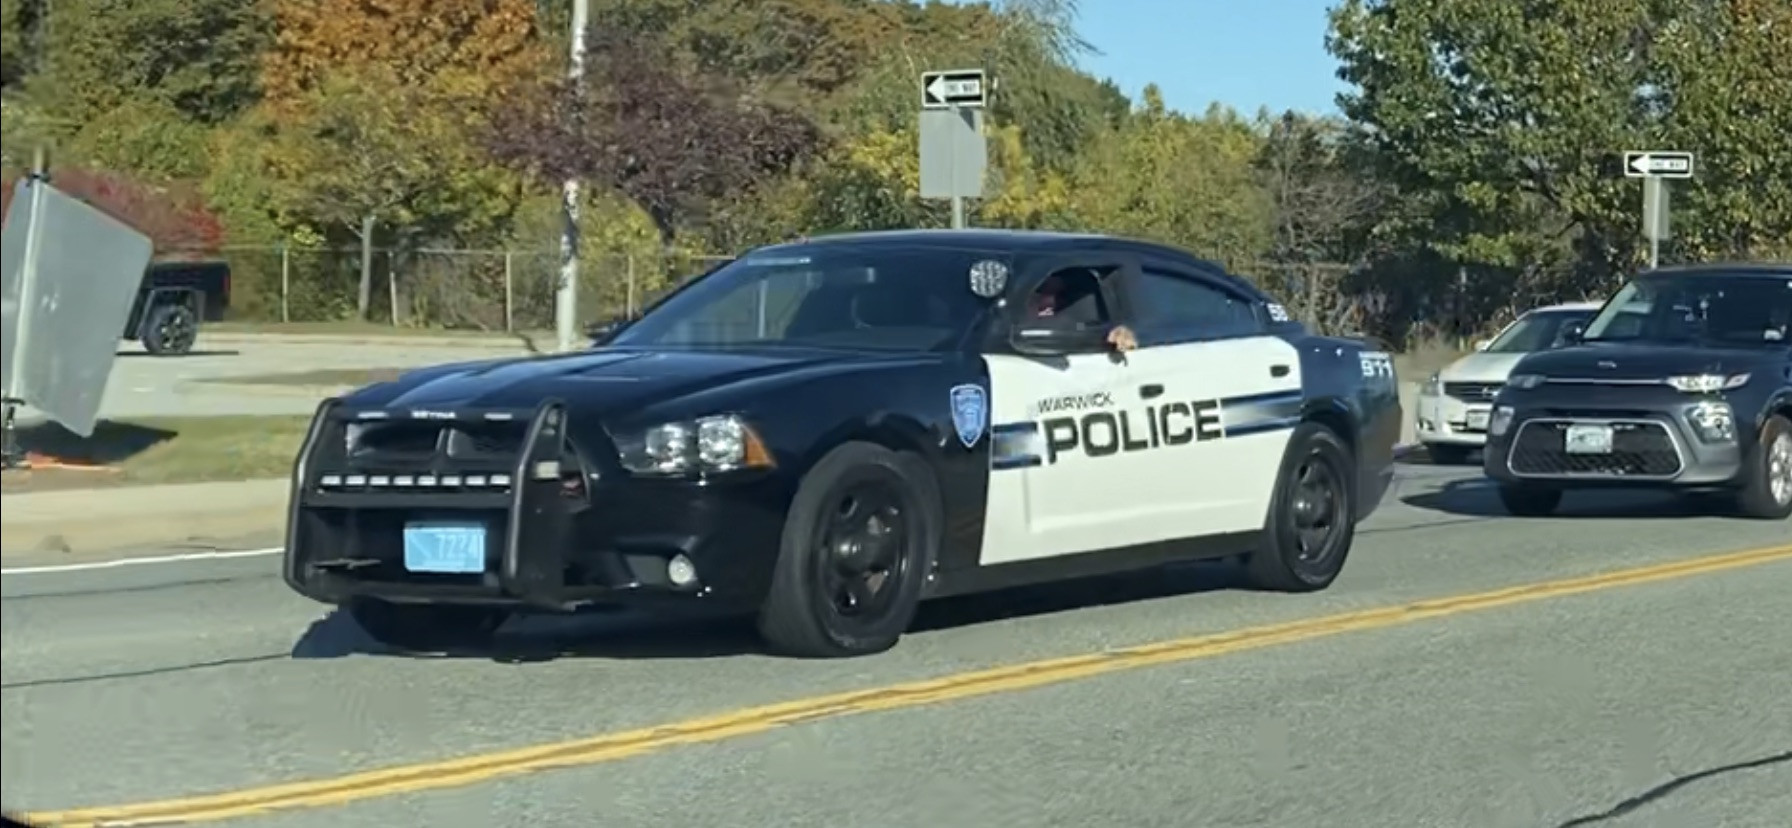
(365, 149)
(476, 48)
(196, 56)
(1507, 119)
(668, 142)
(12, 42)
(174, 218)
(1317, 207)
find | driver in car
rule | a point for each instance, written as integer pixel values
(1059, 299)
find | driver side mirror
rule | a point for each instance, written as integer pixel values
(600, 331)
(1045, 337)
(1572, 332)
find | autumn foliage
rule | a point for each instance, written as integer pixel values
(175, 219)
(471, 46)
(665, 140)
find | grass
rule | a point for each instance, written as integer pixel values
(156, 450)
(354, 377)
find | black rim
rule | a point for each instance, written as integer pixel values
(176, 331)
(862, 551)
(1317, 511)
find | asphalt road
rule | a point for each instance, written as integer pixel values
(141, 385)
(1659, 699)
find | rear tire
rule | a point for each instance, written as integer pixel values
(861, 536)
(1530, 501)
(1312, 518)
(170, 329)
(1767, 490)
(427, 627)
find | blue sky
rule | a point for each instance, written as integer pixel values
(1245, 53)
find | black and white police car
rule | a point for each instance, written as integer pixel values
(1682, 381)
(828, 432)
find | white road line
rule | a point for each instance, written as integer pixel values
(144, 561)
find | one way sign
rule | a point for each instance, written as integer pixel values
(1658, 164)
(954, 88)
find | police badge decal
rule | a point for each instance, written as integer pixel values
(970, 408)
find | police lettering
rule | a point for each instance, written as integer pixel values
(1106, 433)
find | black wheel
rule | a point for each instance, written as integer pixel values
(426, 627)
(1447, 455)
(1312, 518)
(862, 532)
(1530, 501)
(171, 329)
(1767, 491)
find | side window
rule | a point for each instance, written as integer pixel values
(1175, 306)
(1075, 292)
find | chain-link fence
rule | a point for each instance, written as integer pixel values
(497, 290)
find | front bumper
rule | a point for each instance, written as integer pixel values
(1639, 436)
(562, 525)
(1441, 419)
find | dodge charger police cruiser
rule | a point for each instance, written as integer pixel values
(828, 432)
(1682, 381)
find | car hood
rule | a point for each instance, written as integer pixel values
(1481, 367)
(1619, 361)
(606, 381)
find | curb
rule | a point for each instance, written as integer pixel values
(499, 342)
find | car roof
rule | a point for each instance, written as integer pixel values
(1022, 242)
(1567, 306)
(1777, 270)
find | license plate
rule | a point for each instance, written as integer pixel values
(444, 546)
(1477, 420)
(1588, 439)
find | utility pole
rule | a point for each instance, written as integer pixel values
(566, 298)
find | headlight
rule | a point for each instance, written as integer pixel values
(1501, 422)
(1526, 381)
(1715, 422)
(706, 445)
(1707, 383)
(1433, 385)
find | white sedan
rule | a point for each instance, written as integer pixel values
(1454, 403)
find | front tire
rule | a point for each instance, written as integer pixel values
(1529, 501)
(1312, 518)
(1767, 491)
(426, 627)
(861, 536)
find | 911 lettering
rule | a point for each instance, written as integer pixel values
(1106, 433)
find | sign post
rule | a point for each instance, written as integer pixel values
(954, 153)
(1655, 168)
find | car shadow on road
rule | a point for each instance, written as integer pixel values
(628, 635)
(189, 354)
(1479, 497)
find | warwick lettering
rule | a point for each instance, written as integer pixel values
(1105, 433)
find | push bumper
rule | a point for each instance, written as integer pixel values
(1592, 436)
(532, 513)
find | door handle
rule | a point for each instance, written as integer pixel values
(1151, 391)
(1278, 370)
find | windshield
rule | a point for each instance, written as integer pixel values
(1726, 309)
(832, 296)
(1535, 331)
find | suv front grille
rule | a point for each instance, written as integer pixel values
(1641, 448)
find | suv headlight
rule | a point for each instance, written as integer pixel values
(705, 445)
(1707, 383)
(1434, 385)
(1526, 381)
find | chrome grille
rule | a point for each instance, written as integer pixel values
(1473, 392)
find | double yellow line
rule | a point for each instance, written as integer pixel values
(428, 776)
